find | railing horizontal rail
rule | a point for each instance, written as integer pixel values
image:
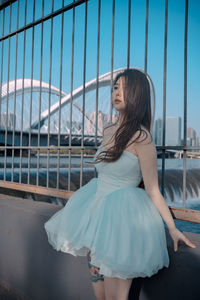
(183, 148)
(43, 19)
(36, 189)
(183, 214)
(23, 142)
(47, 147)
(5, 3)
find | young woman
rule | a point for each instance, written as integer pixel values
(111, 220)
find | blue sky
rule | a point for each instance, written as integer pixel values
(175, 57)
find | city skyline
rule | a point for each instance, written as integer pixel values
(173, 128)
(174, 133)
(155, 53)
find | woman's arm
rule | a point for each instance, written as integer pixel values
(148, 162)
(147, 155)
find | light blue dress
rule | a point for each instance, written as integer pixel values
(113, 219)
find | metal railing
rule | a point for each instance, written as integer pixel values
(6, 38)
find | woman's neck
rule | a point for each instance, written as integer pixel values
(119, 122)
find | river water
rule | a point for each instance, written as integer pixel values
(173, 167)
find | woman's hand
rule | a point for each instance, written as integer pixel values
(178, 235)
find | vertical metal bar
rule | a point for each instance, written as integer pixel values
(97, 79)
(14, 124)
(50, 67)
(71, 101)
(184, 178)
(146, 35)
(59, 115)
(83, 110)
(7, 98)
(40, 97)
(81, 168)
(97, 74)
(2, 67)
(84, 73)
(31, 98)
(112, 55)
(164, 99)
(185, 102)
(22, 109)
(129, 30)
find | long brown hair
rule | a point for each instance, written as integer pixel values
(137, 113)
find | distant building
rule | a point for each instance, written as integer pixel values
(158, 132)
(173, 131)
(192, 138)
(197, 141)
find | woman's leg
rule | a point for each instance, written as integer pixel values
(97, 280)
(116, 288)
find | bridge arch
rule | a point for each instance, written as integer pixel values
(28, 85)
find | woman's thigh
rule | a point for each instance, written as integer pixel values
(117, 288)
(97, 280)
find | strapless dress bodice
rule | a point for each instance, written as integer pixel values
(125, 172)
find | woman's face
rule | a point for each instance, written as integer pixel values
(118, 94)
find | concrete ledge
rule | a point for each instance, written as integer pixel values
(181, 279)
(30, 266)
(9, 293)
(28, 263)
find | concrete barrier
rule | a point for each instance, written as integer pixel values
(30, 266)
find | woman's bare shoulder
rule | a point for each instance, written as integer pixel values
(141, 137)
(145, 137)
